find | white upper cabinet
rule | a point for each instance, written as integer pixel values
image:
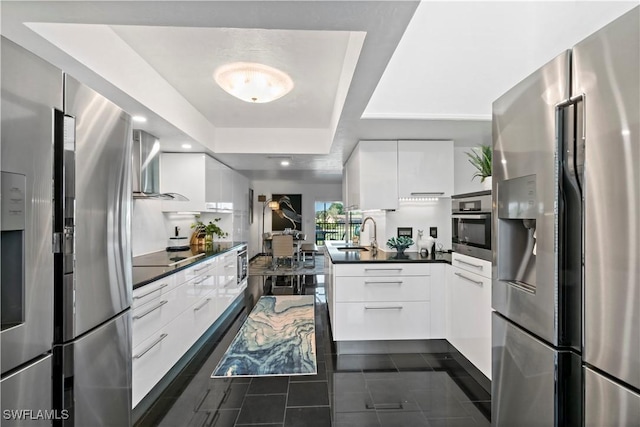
(184, 174)
(372, 176)
(207, 183)
(425, 169)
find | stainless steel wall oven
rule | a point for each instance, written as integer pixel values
(471, 224)
(243, 264)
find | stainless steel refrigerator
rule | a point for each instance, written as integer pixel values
(66, 256)
(566, 278)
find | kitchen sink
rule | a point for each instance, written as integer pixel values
(352, 248)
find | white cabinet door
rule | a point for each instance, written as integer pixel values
(352, 169)
(183, 173)
(378, 175)
(207, 183)
(469, 319)
(372, 176)
(425, 168)
(153, 357)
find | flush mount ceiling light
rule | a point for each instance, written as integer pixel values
(253, 82)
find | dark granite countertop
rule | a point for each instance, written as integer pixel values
(156, 265)
(353, 257)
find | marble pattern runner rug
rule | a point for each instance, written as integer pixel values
(277, 338)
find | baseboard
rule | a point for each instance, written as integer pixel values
(474, 372)
(392, 346)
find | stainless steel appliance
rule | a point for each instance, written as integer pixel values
(66, 255)
(566, 278)
(243, 264)
(471, 224)
(145, 159)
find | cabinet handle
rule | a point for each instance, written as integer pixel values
(390, 307)
(382, 269)
(229, 265)
(469, 279)
(201, 268)
(394, 282)
(233, 280)
(202, 280)
(481, 267)
(155, 343)
(202, 305)
(164, 285)
(160, 304)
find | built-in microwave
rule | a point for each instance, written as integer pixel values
(471, 224)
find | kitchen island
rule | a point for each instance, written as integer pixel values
(385, 299)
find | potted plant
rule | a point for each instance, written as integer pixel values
(481, 159)
(208, 231)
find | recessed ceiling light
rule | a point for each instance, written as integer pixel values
(186, 146)
(139, 119)
(253, 82)
(285, 163)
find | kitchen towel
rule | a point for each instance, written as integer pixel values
(278, 338)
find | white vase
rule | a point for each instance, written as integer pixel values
(486, 184)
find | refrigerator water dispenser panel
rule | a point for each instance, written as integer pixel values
(12, 250)
(517, 212)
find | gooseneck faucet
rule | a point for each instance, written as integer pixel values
(374, 243)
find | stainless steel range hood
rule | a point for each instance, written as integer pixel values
(146, 168)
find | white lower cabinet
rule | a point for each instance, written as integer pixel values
(386, 301)
(169, 317)
(153, 357)
(401, 320)
(469, 310)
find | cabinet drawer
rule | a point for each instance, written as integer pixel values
(381, 321)
(153, 357)
(383, 269)
(471, 264)
(149, 318)
(227, 293)
(203, 313)
(401, 288)
(199, 269)
(154, 291)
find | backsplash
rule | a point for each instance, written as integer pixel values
(417, 215)
(151, 228)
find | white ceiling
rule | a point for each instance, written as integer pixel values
(356, 75)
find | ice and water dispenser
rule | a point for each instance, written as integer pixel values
(517, 210)
(12, 248)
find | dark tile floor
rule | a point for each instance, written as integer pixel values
(406, 390)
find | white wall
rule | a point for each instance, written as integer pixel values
(311, 192)
(463, 181)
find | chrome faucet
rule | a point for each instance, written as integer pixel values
(374, 243)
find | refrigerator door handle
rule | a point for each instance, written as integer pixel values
(570, 131)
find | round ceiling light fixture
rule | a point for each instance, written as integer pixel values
(253, 82)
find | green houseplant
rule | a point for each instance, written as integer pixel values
(208, 230)
(481, 159)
